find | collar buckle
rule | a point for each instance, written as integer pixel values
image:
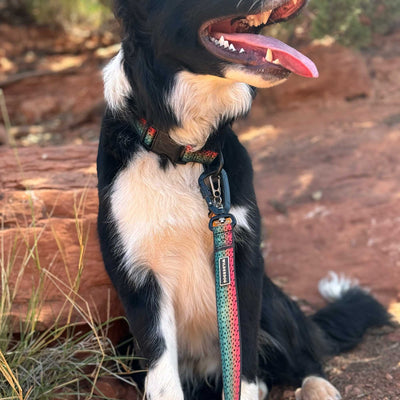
(159, 142)
(163, 145)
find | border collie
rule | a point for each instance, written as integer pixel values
(186, 70)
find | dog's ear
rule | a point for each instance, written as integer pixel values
(132, 16)
(124, 8)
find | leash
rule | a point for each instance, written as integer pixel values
(214, 187)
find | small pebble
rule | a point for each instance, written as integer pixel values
(317, 196)
(389, 377)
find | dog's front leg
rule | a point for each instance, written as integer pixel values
(163, 382)
(250, 269)
(151, 318)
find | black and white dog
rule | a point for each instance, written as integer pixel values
(189, 68)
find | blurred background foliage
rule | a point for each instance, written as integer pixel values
(93, 12)
(64, 13)
(353, 23)
(350, 22)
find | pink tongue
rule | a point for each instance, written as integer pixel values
(288, 57)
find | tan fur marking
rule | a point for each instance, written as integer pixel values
(163, 223)
(201, 101)
(239, 74)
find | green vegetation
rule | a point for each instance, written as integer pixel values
(351, 22)
(58, 364)
(92, 12)
(354, 22)
(89, 13)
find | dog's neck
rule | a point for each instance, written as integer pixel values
(201, 103)
(197, 104)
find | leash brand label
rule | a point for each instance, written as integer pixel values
(224, 272)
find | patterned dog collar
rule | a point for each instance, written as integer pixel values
(160, 142)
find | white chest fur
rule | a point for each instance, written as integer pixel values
(162, 221)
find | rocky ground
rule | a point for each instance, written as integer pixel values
(326, 165)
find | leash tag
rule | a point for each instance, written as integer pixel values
(224, 272)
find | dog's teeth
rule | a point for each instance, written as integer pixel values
(269, 56)
(277, 61)
(266, 16)
(226, 44)
(259, 19)
(221, 41)
(250, 20)
(232, 47)
(241, 50)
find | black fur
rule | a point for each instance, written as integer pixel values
(281, 345)
(356, 306)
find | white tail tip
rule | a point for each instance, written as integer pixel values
(334, 286)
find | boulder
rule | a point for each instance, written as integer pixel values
(48, 211)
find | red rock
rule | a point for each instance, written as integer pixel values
(34, 111)
(115, 389)
(51, 198)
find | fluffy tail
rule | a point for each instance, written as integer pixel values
(351, 312)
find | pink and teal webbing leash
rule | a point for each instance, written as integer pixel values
(227, 304)
(214, 187)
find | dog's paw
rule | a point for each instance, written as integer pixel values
(252, 391)
(262, 391)
(162, 382)
(165, 394)
(249, 391)
(315, 388)
(163, 391)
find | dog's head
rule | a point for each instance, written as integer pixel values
(186, 65)
(215, 37)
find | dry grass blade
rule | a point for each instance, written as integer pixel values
(64, 360)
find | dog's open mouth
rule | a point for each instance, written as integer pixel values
(236, 39)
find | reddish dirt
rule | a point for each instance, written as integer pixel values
(327, 174)
(327, 179)
(371, 372)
